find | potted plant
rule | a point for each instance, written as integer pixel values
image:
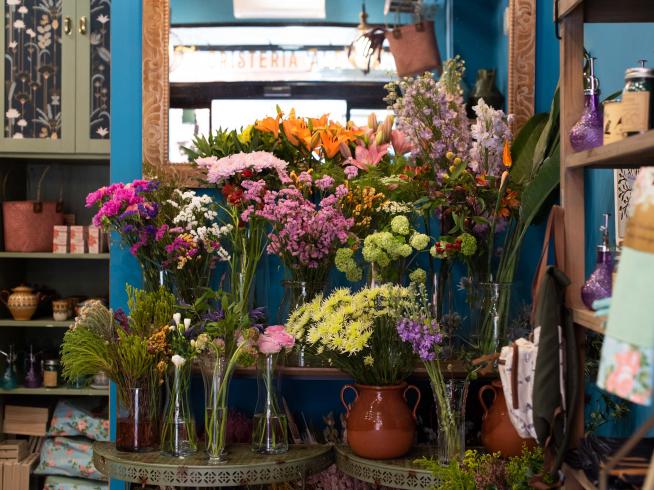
(356, 332)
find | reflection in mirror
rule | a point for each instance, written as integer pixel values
(225, 71)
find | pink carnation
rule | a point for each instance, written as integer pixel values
(227, 167)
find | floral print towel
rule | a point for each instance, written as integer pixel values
(69, 419)
(68, 457)
(626, 370)
(65, 483)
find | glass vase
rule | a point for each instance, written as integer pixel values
(137, 425)
(178, 436)
(269, 432)
(216, 389)
(297, 293)
(490, 306)
(450, 398)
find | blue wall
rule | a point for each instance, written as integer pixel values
(125, 139)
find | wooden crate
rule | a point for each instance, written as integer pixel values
(27, 421)
(14, 449)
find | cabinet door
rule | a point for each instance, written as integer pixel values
(93, 76)
(37, 107)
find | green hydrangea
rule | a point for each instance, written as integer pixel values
(404, 250)
(419, 241)
(400, 225)
(468, 244)
(418, 276)
(355, 274)
(343, 259)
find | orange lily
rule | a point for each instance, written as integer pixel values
(331, 144)
(269, 125)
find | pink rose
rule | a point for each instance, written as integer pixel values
(274, 339)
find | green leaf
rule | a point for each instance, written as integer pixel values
(523, 148)
(547, 139)
(542, 185)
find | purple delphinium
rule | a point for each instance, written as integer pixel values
(423, 335)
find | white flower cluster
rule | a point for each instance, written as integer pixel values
(395, 207)
(193, 210)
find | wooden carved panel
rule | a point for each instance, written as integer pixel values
(522, 60)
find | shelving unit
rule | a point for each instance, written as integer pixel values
(632, 152)
(48, 323)
(61, 391)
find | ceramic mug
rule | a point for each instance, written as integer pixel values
(61, 310)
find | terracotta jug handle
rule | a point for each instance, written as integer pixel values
(415, 407)
(481, 397)
(356, 395)
(4, 296)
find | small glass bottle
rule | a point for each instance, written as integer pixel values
(588, 132)
(599, 284)
(641, 79)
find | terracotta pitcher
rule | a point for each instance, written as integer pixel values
(497, 431)
(380, 424)
(22, 302)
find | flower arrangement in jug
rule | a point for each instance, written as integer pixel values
(356, 332)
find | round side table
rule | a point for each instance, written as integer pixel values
(242, 468)
(394, 473)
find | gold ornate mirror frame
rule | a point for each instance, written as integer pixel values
(156, 27)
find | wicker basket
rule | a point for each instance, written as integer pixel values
(28, 225)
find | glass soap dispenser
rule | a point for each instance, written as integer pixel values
(599, 284)
(588, 132)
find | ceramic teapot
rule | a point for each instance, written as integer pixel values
(22, 302)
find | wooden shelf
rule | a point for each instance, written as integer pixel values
(587, 319)
(62, 391)
(578, 476)
(49, 255)
(458, 370)
(610, 10)
(635, 151)
(44, 322)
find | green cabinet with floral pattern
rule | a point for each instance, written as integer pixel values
(55, 73)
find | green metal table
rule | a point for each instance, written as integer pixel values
(393, 473)
(242, 468)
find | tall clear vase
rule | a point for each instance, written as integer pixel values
(490, 306)
(178, 435)
(450, 398)
(297, 293)
(216, 389)
(270, 430)
(137, 418)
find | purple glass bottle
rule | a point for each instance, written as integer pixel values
(599, 284)
(588, 132)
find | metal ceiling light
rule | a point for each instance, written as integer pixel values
(365, 51)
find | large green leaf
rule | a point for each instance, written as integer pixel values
(547, 140)
(542, 185)
(524, 144)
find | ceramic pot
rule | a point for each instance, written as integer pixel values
(61, 310)
(22, 302)
(380, 424)
(497, 431)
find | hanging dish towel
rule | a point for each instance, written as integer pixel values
(627, 362)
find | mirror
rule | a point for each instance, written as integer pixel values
(208, 69)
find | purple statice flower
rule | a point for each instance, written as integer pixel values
(423, 335)
(304, 234)
(325, 182)
(258, 318)
(351, 172)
